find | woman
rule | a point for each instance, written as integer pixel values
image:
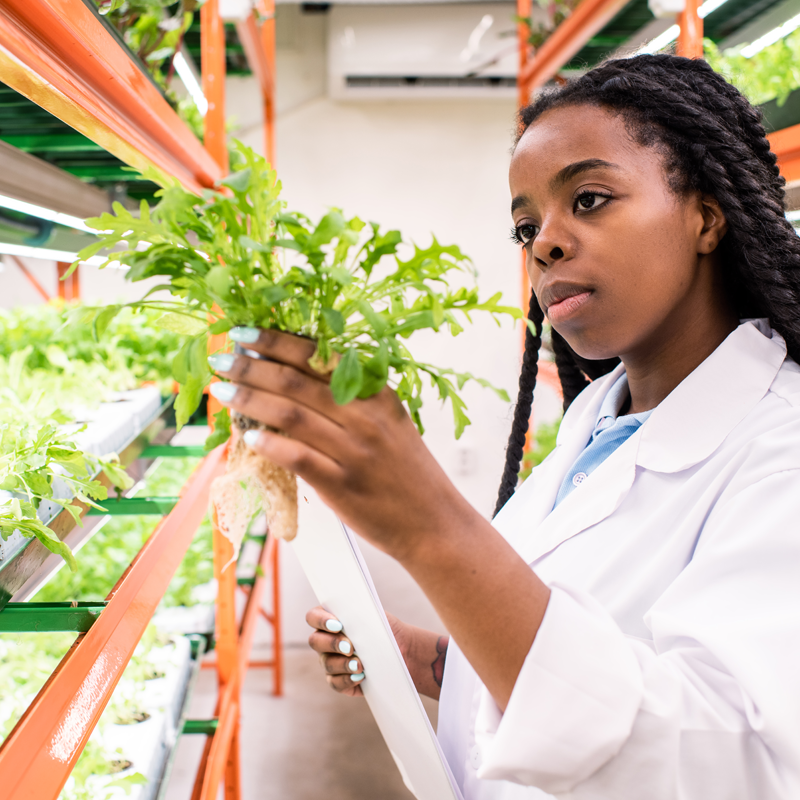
(629, 626)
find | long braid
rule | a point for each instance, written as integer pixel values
(573, 381)
(522, 411)
(714, 142)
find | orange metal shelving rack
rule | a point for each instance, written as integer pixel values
(59, 55)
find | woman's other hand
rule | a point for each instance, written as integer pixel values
(343, 668)
(423, 651)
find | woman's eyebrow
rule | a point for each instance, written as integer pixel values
(567, 174)
(573, 170)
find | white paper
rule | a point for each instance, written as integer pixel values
(330, 557)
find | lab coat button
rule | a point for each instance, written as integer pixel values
(578, 478)
(475, 757)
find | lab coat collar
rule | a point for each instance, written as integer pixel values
(694, 419)
(684, 429)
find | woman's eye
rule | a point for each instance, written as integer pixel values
(589, 201)
(522, 234)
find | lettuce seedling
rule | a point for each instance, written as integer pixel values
(236, 257)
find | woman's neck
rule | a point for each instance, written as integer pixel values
(655, 370)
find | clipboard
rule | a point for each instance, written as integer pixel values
(329, 555)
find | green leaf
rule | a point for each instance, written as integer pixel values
(188, 400)
(220, 281)
(220, 326)
(181, 364)
(250, 244)
(334, 319)
(221, 432)
(347, 378)
(182, 323)
(378, 324)
(198, 358)
(116, 473)
(103, 320)
(238, 181)
(376, 372)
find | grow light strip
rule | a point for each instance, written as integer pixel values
(771, 37)
(672, 33)
(24, 251)
(186, 74)
(44, 213)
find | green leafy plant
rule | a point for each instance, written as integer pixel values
(556, 11)
(32, 459)
(154, 31)
(772, 73)
(235, 257)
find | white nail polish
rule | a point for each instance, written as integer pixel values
(333, 625)
(224, 392)
(352, 665)
(357, 678)
(251, 439)
(221, 362)
(344, 647)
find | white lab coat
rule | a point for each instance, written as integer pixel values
(667, 666)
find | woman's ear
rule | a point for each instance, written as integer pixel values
(714, 224)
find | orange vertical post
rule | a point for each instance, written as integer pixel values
(690, 39)
(212, 60)
(277, 640)
(69, 289)
(212, 42)
(226, 632)
(266, 11)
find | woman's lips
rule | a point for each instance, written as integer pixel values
(563, 309)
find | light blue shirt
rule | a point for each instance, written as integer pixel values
(609, 433)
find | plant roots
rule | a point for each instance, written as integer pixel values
(252, 484)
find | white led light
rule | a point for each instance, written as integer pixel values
(25, 251)
(671, 34)
(190, 82)
(771, 37)
(44, 213)
(707, 8)
(660, 42)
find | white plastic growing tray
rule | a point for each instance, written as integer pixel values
(147, 745)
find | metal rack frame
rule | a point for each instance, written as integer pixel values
(58, 54)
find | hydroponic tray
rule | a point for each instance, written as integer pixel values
(110, 428)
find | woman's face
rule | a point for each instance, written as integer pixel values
(618, 261)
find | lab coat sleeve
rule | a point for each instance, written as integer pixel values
(709, 709)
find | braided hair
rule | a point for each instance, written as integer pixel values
(713, 142)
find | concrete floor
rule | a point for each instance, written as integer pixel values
(308, 745)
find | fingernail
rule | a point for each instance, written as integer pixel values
(221, 362)
(333, 625)
(244, 335)
(224, 392)
(357, 678)
(344, 647)
(250, 439)
(352, 665)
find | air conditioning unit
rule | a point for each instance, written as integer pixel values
(454, 49)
